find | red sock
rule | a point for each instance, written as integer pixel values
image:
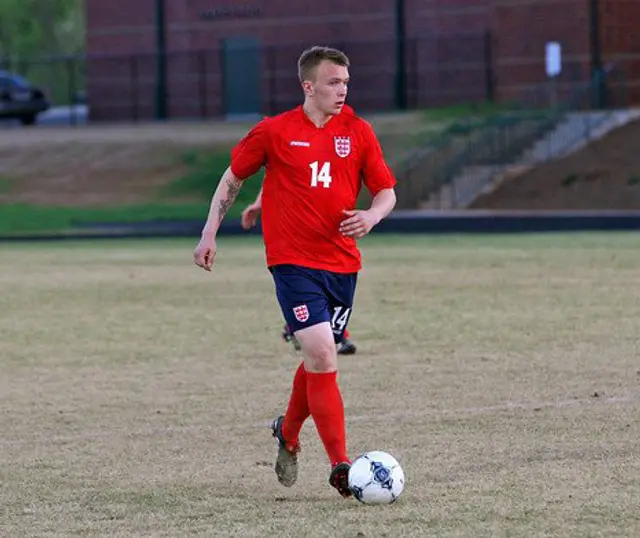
(298, 409)
(327, 410)
(347, 334)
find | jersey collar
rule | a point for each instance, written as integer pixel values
(346, 109)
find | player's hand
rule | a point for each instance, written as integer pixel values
(357, 223)
(205, 253)
(250, 216)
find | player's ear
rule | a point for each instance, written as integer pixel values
(307, 87)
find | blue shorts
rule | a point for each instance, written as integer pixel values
(311, 296)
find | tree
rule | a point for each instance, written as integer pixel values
(32, 28)
(44, 40)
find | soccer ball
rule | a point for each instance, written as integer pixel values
(376, 478)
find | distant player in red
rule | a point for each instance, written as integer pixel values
(317, 157)
(248, 220)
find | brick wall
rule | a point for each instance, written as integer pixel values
(620, 37)
(442, 67)
(445, 52)
(522, 29)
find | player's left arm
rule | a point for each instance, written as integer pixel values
(250, 213)
(380, 181)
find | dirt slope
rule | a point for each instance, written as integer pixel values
(103, 165)
(121, 164)
(603, 175)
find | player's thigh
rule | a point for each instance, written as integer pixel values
(301, 296)
(303, 300)
(341, 289)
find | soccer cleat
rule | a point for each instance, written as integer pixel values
(346, 347)
(339, 479)
(287, 460)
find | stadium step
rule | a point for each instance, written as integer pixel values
(570, 135)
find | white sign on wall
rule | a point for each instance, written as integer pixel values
(553, 59)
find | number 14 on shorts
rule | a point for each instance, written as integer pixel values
(340, 318)
(320, 174)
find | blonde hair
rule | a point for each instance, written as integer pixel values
(311, 58)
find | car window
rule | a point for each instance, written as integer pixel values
(19, 82)
(13, 82)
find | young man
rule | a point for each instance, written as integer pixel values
(248, 220)
(316, 156)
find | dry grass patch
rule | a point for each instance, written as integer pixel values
(502, 372)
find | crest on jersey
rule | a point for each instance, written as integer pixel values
(342, 145)
(301, 313)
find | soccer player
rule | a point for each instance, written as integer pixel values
(317, 156)
(248, 220)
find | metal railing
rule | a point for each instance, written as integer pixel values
(477, 149)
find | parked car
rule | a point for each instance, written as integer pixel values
(20, 99)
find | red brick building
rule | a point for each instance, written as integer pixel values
(235, 56)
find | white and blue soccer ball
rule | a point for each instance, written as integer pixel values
(376, 478)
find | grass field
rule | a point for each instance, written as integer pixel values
(136, 390)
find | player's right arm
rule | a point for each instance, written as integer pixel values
(246, 159)
(222, 200)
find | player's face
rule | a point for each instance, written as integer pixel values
(328, 90)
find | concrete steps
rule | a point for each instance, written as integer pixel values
(570, 135)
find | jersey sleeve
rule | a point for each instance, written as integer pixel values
(376, 172)
(250, 154)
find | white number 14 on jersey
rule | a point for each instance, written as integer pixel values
(320, 174)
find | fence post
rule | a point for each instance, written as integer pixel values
(73, 117)
(401, 96)
(596, 55)
(223, 91)
(488, 66)
(161, 61)
(133, 67)
(416, 74)
(271, 68)
(202, 79)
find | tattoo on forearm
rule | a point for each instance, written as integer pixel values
(233, 189)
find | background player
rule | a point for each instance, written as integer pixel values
(248, 220)
(316, 156)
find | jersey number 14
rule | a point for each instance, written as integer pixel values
(320, 174)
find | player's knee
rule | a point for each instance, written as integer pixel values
(318, 348)
(321, 357)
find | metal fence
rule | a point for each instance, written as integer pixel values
(246, 79)
(216, 83)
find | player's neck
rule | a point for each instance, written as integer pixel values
(317, 117)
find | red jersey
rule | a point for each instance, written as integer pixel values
(312, 175)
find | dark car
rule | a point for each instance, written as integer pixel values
(20, 99)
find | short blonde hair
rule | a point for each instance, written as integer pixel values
(311, 58)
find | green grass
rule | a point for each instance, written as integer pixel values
(197, 185)
(25, 219)
(463, 120)
(464, 110)
(205, 168)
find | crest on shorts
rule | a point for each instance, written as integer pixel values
(342, 145)
(301, 313)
